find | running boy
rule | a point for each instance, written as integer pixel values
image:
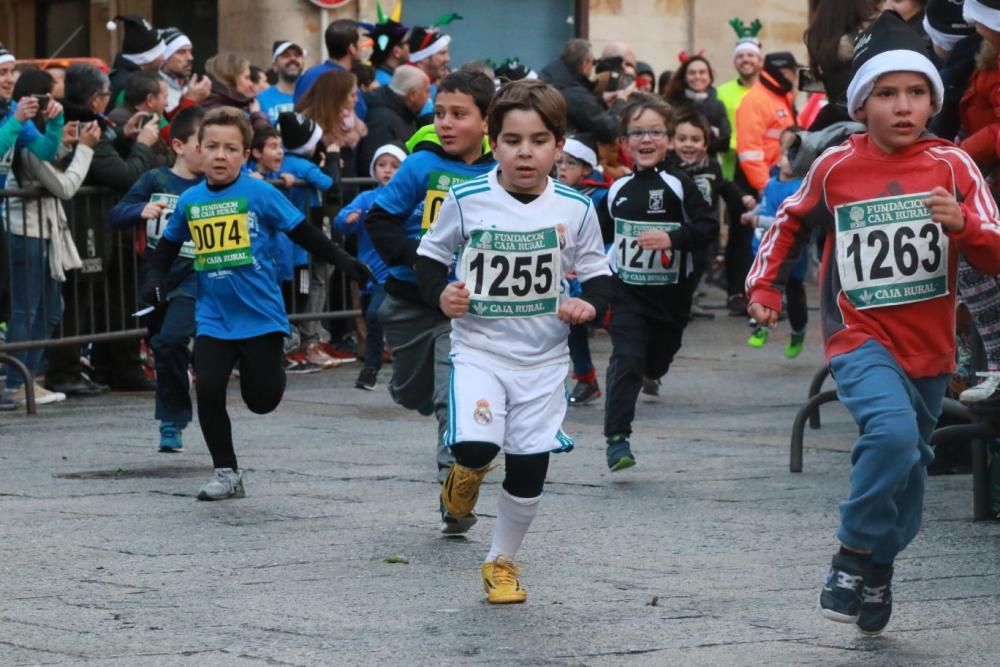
(404, 211)
(576, 167)
(779, 188)
(898, 206)
(350, 220)
(658, 222)
(239, 314)
(521, 233)
(148, 206)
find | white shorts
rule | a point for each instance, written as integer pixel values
(520, 410)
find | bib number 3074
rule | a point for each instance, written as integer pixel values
(890, 252)
(221, 235)
(512, 274)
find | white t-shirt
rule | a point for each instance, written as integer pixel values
(514, 258)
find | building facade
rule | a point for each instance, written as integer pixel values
(532, 30)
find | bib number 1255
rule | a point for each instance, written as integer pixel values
(512, 274)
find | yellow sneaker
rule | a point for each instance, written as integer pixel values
(501, 584)
(460, 490)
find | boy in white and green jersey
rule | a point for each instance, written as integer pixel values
(519, 233)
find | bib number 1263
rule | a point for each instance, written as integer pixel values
(512, 274)
(890, 252)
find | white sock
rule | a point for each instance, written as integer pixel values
(514, 516)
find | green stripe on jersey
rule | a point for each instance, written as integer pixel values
(569, 193)
(478, 180)
(466, 193)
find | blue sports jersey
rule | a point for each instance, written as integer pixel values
(233, 230)
(309, 77)
(273, 102)
(303, 197)
(773, 196)
(418, 189)
(366, 251)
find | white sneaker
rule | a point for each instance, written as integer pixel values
(983, 390)
(227, 483)
(42, 395)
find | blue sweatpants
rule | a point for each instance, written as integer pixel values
(896, 415)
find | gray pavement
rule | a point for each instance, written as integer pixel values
(709, 552)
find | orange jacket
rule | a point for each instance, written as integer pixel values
(760, 118)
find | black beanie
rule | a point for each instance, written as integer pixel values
(944, 24)
(299, 134)
(425, 42)
(889, 45)
(141, 43)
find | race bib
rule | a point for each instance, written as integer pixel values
(221, 234)
(155, 227)
(637, 266)
(512, 274)
(890, 252)
(438, 184)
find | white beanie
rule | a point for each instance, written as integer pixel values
(386, 149)
(580, 151)
(986, 12)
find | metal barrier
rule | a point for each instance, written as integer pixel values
(96, 302)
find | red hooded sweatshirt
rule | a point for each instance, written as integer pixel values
(888, 271)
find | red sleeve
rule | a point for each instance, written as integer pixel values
(980, 240)
(982, 145)
(792, 229)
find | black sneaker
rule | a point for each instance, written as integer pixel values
(650, 386)
(737, 305)
(840, 599)
(876, 601)
(584, 392)
(367, 379)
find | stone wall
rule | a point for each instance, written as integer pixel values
(660, 29)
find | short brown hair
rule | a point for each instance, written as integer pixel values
(528, 95)
(691, 117)
(640, 102)
(230, 116)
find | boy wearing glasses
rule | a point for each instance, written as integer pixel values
(657, 221)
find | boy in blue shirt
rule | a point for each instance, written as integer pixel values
(148, 206)
(576, 167)
(350, 220)
(232, 220)
(402, 214)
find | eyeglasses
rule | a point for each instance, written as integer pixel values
(655, 133)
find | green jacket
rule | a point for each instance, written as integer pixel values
(731, 94)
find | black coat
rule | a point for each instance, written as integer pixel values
(585, 110)
(389, 120)
(121, 69)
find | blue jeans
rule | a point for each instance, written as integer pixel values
(171, 330)
(579, 349)
(896, 415)
(35, 300)
(375, 341)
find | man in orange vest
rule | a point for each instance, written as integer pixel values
(766, 110)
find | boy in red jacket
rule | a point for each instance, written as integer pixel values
(899, 206)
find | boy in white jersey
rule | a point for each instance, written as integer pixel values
(520, 232)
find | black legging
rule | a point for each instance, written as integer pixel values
(795, 299)
(524, 474)
(739, 245)
(262, 383)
